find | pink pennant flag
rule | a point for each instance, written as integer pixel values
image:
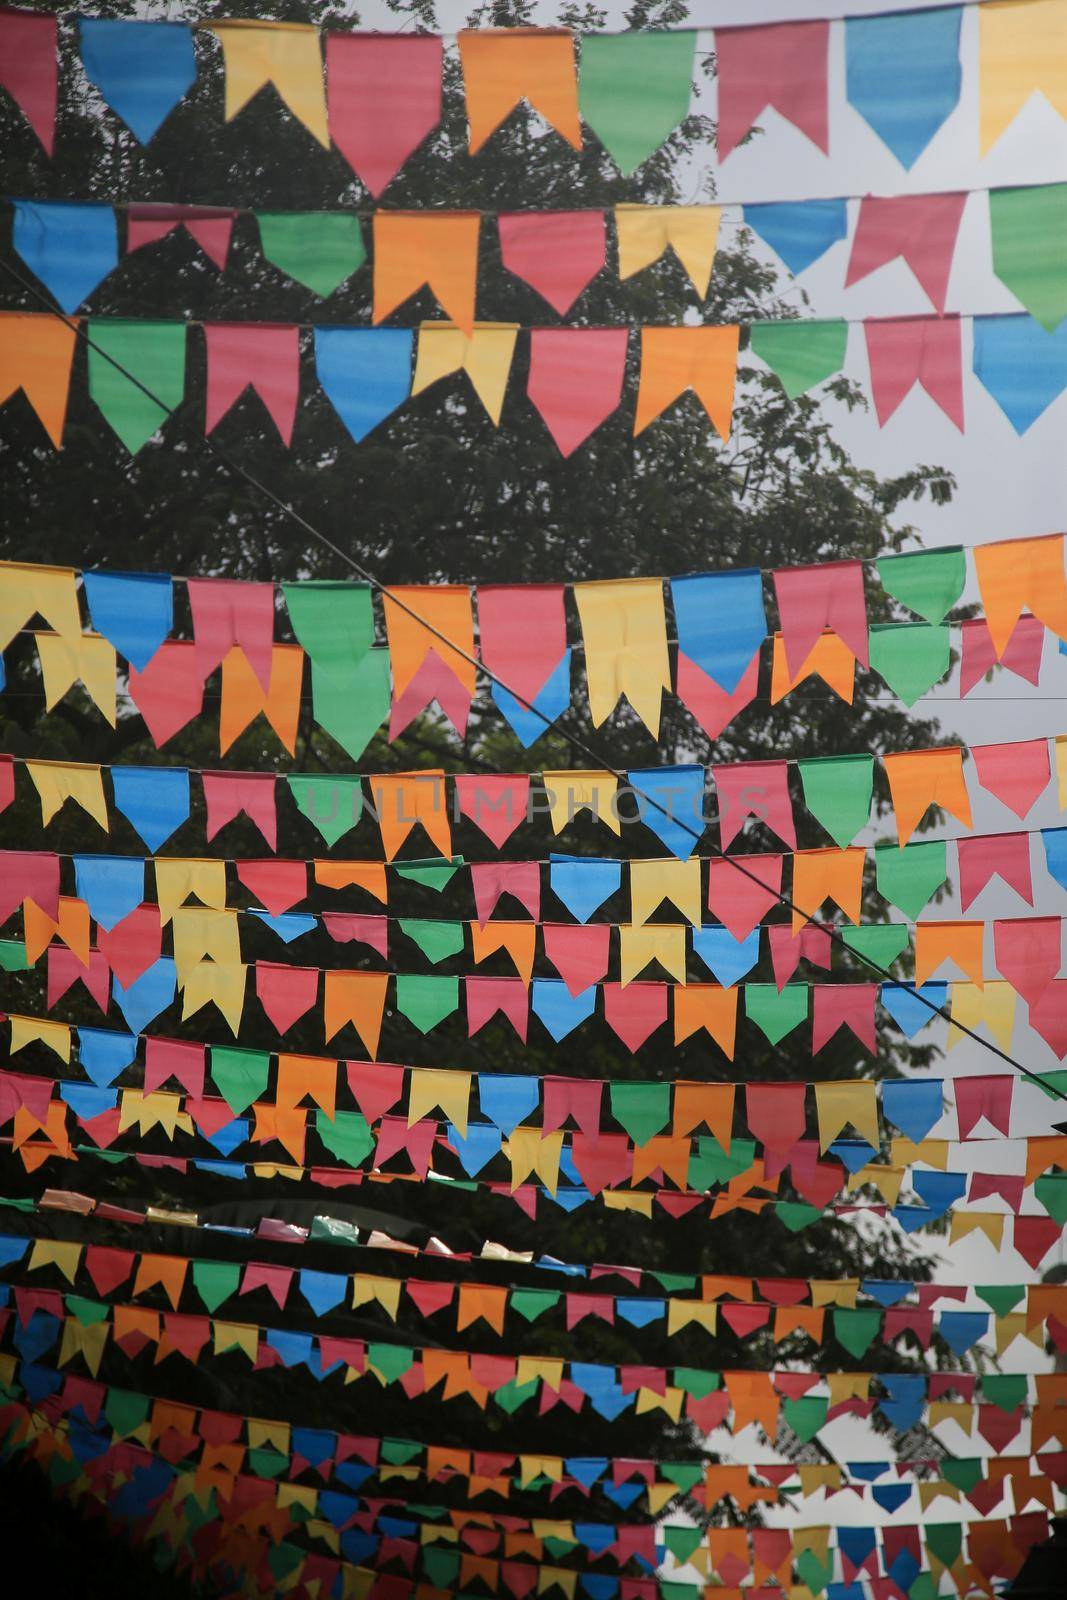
(558, 253)
(997, 1185)
(580, 1306)
(812, 599)
(843, 1005)
(169, 692)
(276, 1281)
(275, 885)
(815, 1181)
(495, 802)
(1022, 653)
(739, 895)
(227, 794)
(995, 855)
(346, 927)
(635, 1012)
(174, 1058)
(579, 1098)
(29, 69)
(775, 1114)
(417, 1141)
(1027, 953)
(65, 969)
(7, 781)
(376, 1086)
(263, 356)
(227, 613)
(210, 226)
(575, 381)
(491, 879)
(487, 996)
(1048, 1016)
(711, 705)
(579, 952)
(209, 1115)
(908, 1319)
(920, 228)
(783, 66)
(984, 1097)
(286, 993)
(905, 351)
(811, 944)
(602, 1160)
(132, 945)
(29, 875)
(754, 789)
(522, 634)
(384, 97)
(1017, 774)
(430, 1297)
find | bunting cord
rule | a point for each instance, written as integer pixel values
(576, 742)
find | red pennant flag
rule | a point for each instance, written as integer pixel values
(345, 927)
(906, 351)
(29, 71)
(275, 885)
(227, 794)
(286, 993)
(908, 1319)
(1027, 953)
(263, 356)
(579, 952)
(376, 1086)
(575, 382)
(169, 692)
(635, 1012)
(210, 226)
(1048, 1016)
(602, 1162)
(754, 789)
(132, 945)
(843, 1005)
(29, 875)
(108, 1266)
(1017, 774)
(922, 229)
(812, 599)
(713, 708)
(7, 781)
(495, 803)
(1022, 653)
(209, 1115)
(995, 855)
(522, 634)
(430, 1297)
(384, 97)
(276, 1281)
(579, 1098)
(65, 969)
(1034, 1237)
(740, 895)
(174, 1058)
(744, 1319)
(984, 1097)
(788, 949)
(491, 879)
(984, 1185)
(227, 613)
(487, 996)
(783, 66)
(558, 253)
(815, 1181)
(775, 1114)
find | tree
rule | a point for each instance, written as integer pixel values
(438, 494)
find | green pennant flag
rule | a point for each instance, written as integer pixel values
(776, 1012)
(1051, 1192)
(685, 1475)
(796, 1215)
(856, 1328)
(910, 656)
(436, 940)
(284, 1558)
(681, 1542)
(390, 1361)
(696, 1382)
(1000, 1297)
(13, 956)
(813, 1572)
(334, 623)
(944, 1540)
(963, 1472)
(153, 353)
(926, 581)
(215, 1281)
(440, 1566)
(710, 1164)
(673, 1589)
(126, 1411)
(643, 1109)
(924, 1588)
(881, 942)
(267, 1463)
(240, 1075)
(674, 1282)
(435, 875)
(837, 792)
(1006, 1390)
(511, 1395)
(800, 354)
(634, 89)
(87, 1312)
(533, 1303)
(426, 999)
(557, 1548)
(1029, 234)
(331, 801)
(1051, 1081)
(346, 1135)
(401, 1452)
(351, 710)
(909, 877)
(320, 249)
(806, 1415)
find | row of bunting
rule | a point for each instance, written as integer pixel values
(72, 247)
(382, 93)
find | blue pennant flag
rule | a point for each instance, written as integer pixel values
(365, 372)
(601, 1585)
(289, 925)
(1054, 841)
(1023, 367)
(913, 1107)
(622, 1494)
(568, 1199)
(557, 1009)
(506, 1099)
(322, 1290)
(358, 1547)
(903, 75)
(887, 1292)
(583, 883)
(909, 1012)
(111, 886)
(867, 1471)
(856, 1543)
(142, 69)
(721, 622)
(294, 1349)
(799, 231)
(103, 1054)
(147, 995)
(726, 958)
(639, 1313)
(69, 246)
(337, 1508)
(962, 1329)
(12, 1248)
(86, 1100)
(155, 800)
(939, 1190)
(229, 1136)
(905, 1398)
(596, 1536)
(352, 1473)
(670, 803)
(891, 1496)
(478, 1148)
(552, 700)
(586, 1469)
(31, 1339)
(853, 1154)
(133, 610)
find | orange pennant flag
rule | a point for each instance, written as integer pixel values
(670, 1156)
(306, 1075)
(517, 938)
(820, 875)
(705, 1005)
(289, 1127)
(752, 1399)
(674, 360)
(436, 249)
(167, 1271)
(502, 66)
(431, 652)
(366, 875)
(36, 354)
(960, 942)
(72, 928)
(1020, 575)
(358, 998)
(919, 779)
(243, 697)
(799, 1319)
(709, 1103)
(479, 1300)
(830, 659)
(403, 798)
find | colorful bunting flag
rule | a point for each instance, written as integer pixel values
(903, 75)
(384, 97)
(635, 89)
(284, 54)
(506, 65)
(142, 69)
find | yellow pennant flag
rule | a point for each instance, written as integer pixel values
(838, 1104)
(55, 1253)
(236, 1336)
(286, 54)
(533, 1467)
(571, 792)
(557, 1578)
(647, 232)
(970, 1007)
(844, 1386)
(625, 1200)
(1022, 51)
(224, 985)
(59, 781)
(929, 1492)
(484, 354)
(385, 1291)
(660, 1494)
(36, 354)
(529, 1152)
(670, 1401)
(435, 1087)
(49, 592)
(625, 632)
(198, 933)
(264, 1435)
(652, 882)
(961, 1412)
(662, 942)
(817, 1540)
(298, 1494)
(87, 658)
(178, 877)
(826, 1475)
(1013, 1326)
(87, 1342)
(887, 1180)
(681, 1313)
(834, 1291)
(26, 1030)
(931, 1152)
(991, 1223)
(159, 1109)
(545, 1369)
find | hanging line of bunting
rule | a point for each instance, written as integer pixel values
(380, 96)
